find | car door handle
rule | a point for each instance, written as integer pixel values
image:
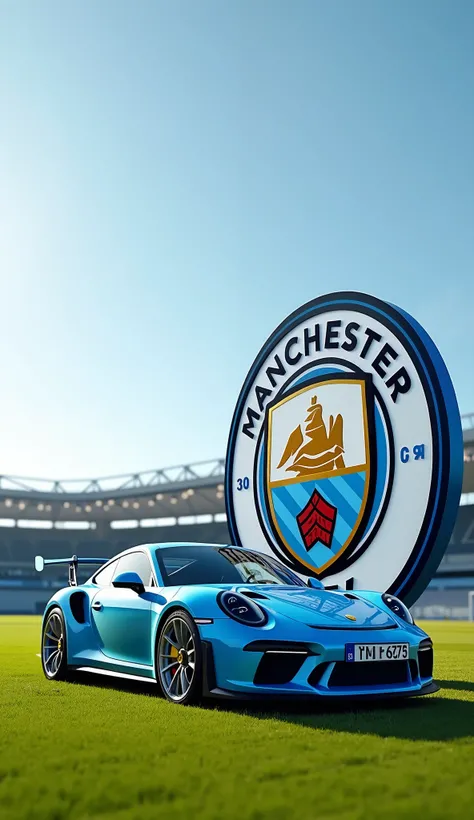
(97, 605)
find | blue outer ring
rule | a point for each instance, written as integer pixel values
(445, 419)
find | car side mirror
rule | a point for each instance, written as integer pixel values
(315, 584)
(129, 580)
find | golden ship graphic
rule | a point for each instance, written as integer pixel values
(316, 449)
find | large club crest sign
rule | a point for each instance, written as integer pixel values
(345, 453)
(318, 478)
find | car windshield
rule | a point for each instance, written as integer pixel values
(205, 564)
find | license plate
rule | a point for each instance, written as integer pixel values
(359, 652)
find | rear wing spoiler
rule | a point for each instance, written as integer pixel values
(74, 561)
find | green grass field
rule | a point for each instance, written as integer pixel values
(108, 750)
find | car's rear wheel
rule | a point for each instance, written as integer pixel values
(54, 647)
(179, 659)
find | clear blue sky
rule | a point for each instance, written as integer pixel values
(175, 177)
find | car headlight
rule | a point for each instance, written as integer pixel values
(397, 607)
(241, 609)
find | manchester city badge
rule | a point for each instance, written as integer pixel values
(345, 451)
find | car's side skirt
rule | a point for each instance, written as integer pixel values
(112, 674)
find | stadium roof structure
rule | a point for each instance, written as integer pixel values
(189, 489)
(184, 491)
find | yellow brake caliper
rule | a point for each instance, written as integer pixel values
(174, 654)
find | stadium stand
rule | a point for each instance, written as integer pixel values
(448, 592)
(100, 517)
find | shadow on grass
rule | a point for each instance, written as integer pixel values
(426, 718)
(462, 685)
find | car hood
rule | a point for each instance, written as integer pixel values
(320, 607)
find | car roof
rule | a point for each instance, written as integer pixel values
(168, 544)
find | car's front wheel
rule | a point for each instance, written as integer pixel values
(53, 646)
(179, 659)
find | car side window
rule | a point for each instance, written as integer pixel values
(136, 562)
(104, 577)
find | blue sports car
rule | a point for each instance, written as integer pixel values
(204, 620)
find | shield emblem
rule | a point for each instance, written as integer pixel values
(319, 472)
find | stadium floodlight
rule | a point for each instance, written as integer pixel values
(111, 502)
(204, 518)
(470, 605)
(160, 522)
(40, 507)
(21, 505)
(151, 503)
(88, 508)
(187, 519)
(8, 502)
(135, 505)
(66, 505)
(159, 496)
(173, 500)
(190, 491)
(98, 503)
(106, 507)
(78, 508)
(149, 522)
(125, 504)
